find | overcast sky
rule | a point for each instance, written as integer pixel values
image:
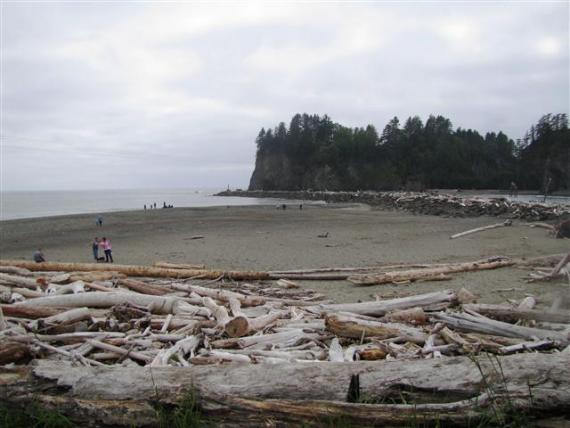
(151, 94)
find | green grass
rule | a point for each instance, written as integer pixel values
(33, 416)
(185, 414)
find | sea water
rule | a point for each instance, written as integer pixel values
(29, 204)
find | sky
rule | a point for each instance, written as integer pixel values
(132, 94)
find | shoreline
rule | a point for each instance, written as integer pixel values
(426, 203)
(263, 238)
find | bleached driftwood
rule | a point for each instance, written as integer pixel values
(143, 287)
(506, 223)
(250, 395)
(117, 350)
(415, 315)
(67, 317)
(426, 274)
(179, 266)
(156, 304)
(20, 281)
(428, 301)
(510, 314)
(241, 325)
(13, 270)
(481, 324)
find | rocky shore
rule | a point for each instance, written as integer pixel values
(425, 203)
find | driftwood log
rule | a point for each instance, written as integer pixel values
(430, 273)
(133, 270)
(428, 301)
(300, 393)
(506, 223)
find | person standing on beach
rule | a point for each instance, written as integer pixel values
(38, 256)
(106, 244)
(95, 248)
(99, 221)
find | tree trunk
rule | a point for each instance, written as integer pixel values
(133, 270)
(429, 301)
(461, 391)
(427, 274)
(157, 304)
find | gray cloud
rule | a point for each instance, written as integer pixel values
(171, 95)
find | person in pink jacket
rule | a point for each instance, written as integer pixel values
(106, 244)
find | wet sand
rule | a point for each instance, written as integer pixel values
(264, 238)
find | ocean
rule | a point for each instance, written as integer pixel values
(29, 204)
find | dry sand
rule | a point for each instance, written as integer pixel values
(264, 238)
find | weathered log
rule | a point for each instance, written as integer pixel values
(111, 348)
(133, 270)
(219, 312)
(144, 288)
(67, 317)
(13, 270)
(240, 325)
(481, 324)
(157, 304)
(527, 346)
(414, 316)
(13, 352)
(426, 274)
(30, 312)
(428, 301)
(282, 339)
(506, 223)
(249, 395)
(347, 326)
(226, 295)
(108, 275)
(24, 282)
(26, 292)
(509, 314)
(179, 265)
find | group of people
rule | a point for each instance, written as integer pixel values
(153, 206)
(105, 244)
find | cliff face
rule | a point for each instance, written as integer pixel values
(272, 171)
(278, 172)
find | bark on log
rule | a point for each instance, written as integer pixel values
(133, 270)
(144, 288)
(13, 352)
(347, 326)
(30, 312)
(426, 274)
(428, 301)
(249, 395)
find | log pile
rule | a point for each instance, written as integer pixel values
(123, 329)
(426, 203)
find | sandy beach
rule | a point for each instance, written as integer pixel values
(266, 238)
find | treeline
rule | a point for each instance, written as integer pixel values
(316, 153)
